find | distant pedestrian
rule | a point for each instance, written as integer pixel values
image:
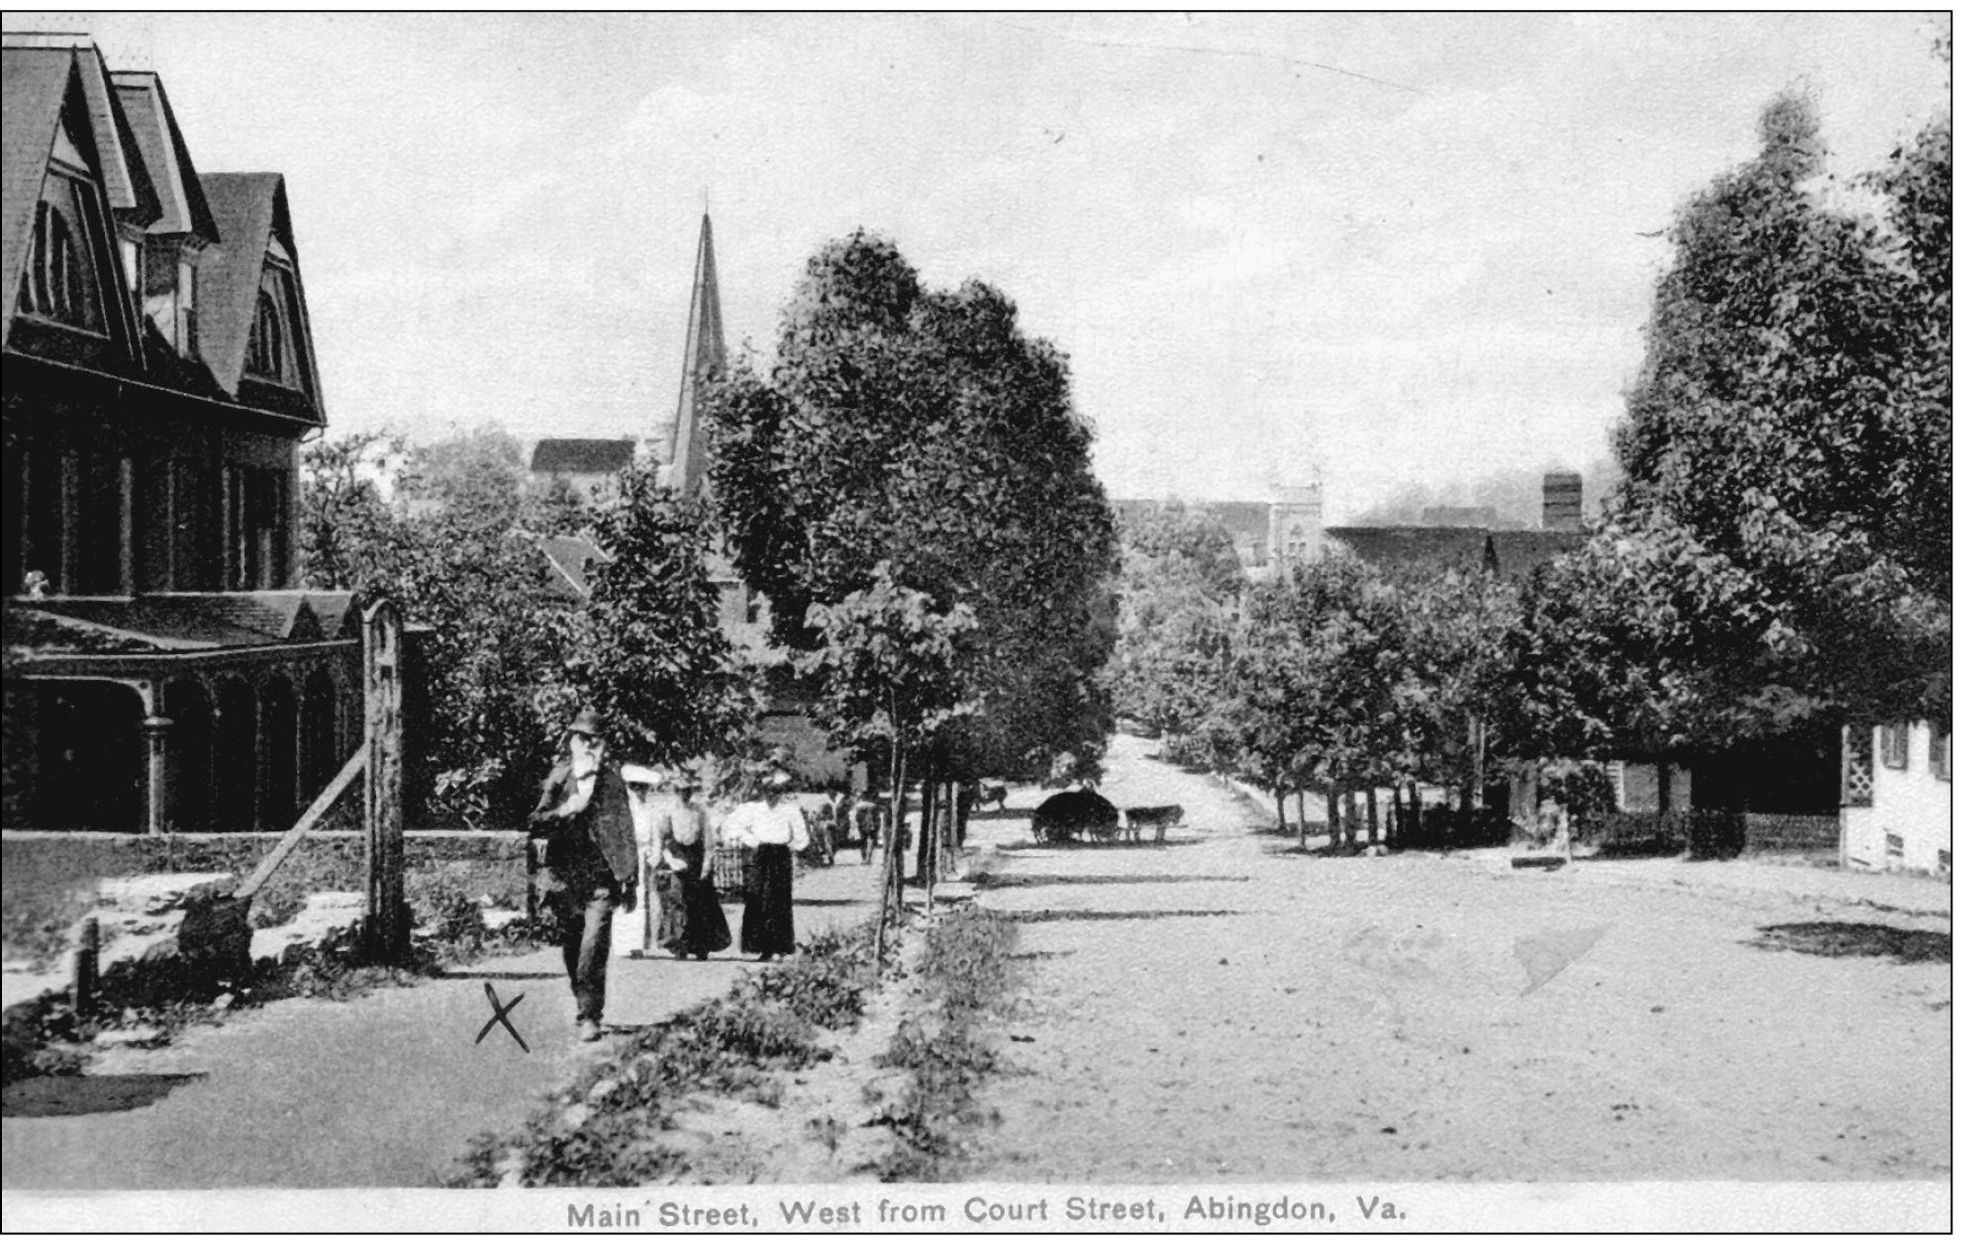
(692, 923)
(867, 817)
(591, 860)
(774, 830)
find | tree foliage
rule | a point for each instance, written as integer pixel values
(647, 650)
(504, 660)
(923, 430)
(1792, 417)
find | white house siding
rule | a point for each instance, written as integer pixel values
(1909, 824)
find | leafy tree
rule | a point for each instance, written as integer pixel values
(922, 430)
(1452, 684)
(647, 650)
(489, 641)
(1179, 579)
(1642, 640)
(1790, 418)
(480, 472)
(1174, 537)
(889, 673)
(347, 529)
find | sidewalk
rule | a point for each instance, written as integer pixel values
(383, 1091)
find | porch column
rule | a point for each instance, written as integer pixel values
(156, 728)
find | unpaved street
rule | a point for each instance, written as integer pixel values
(1224, 1007)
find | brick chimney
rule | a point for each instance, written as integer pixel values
(1564, 502)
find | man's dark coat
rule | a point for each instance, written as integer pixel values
(605, 823)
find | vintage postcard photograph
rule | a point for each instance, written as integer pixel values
(993, 622)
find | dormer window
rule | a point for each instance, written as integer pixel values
(271, 354)
(57, 283)
(267, 355)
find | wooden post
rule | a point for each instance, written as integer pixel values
(532, 882)
(86, 967)
(385, 933)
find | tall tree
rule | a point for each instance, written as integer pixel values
(1787, 417)
(922, 429)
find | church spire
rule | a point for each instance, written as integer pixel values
(703, 355)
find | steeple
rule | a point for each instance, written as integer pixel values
(703, 354)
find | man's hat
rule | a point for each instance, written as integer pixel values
(587, 724)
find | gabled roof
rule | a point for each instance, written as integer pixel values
(34, 83)
(181, 197)
(583, 455)
(126, 175)
(1517, 552)
(248, 209)
(1416, 546)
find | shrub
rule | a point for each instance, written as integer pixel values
(1716, 834)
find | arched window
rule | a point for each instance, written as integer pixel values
(266, 356)
(56, 285)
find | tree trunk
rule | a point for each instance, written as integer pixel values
(1351, 817)
(897, 775)
(1372, 813)
(1414, 810)
(925, 833)
(1665, 771)
(1283, 824)
(1331, 817)
(966, 800)
(1396, 817)
(1302, 832)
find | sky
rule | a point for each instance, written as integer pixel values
(1372, 251)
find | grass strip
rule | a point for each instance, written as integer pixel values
(966, 965)
(609, 1127)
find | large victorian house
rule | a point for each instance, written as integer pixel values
(163, 670)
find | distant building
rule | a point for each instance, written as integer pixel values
(588, 470)
(1460, 517)
(1296, 524)
(1510, 553)
(165, 671)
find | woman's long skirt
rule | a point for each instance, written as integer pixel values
(767, 924)
(692, 923)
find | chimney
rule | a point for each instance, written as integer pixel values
(1564, 502)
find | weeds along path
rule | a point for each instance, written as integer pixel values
(1223, 1007)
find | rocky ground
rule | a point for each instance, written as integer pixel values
(1225, 1007)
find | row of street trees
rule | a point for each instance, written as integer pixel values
(1778, 553)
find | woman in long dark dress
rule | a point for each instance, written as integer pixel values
(774, 829)
(692, 923)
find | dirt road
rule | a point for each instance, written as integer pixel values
(1224, 1007)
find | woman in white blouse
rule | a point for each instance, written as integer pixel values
(774, 829)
